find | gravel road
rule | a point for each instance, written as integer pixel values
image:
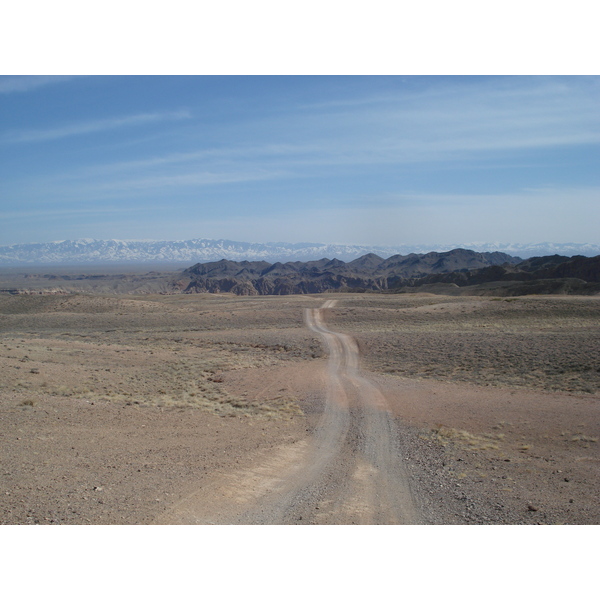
(349, 472)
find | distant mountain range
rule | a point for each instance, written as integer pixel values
(90, 252)
(369, 272)
(457, 272)
(541, 275)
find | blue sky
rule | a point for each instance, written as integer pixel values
(346, 159)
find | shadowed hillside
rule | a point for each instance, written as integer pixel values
(369, 272)
(540, 275)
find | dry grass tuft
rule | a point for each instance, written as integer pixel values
(465, 439)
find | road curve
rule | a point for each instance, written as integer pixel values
(350, 471)
(379, 491)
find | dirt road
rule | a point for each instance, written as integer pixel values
(349, 472)
(227, 409)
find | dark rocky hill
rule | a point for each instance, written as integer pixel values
(369, 272)
(539, 275)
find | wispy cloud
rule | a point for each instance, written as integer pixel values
(447, 124)
(146, 184)
(183, 180)
(82, 128)
(58, 213)
(451, 120)
(26, 83)
(217, 159)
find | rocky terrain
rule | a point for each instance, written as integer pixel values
(369, 272)
(458, 272)
(540, 275)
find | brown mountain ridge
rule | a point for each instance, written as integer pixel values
(369, 272)
(457, 272)
(539, 275)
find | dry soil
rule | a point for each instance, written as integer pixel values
(207, 408)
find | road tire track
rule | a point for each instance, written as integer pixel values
(353, 472)
(350, 471)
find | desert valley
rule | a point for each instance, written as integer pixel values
(141, 398)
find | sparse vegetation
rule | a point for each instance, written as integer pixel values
(179, 364)
(535, 343)
(467, 439)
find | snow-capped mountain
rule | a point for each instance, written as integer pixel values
(88, 251)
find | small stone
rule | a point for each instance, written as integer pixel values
(532, 508)
(567, 479)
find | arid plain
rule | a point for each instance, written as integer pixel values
(198, 408)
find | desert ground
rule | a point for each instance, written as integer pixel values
(316, 409)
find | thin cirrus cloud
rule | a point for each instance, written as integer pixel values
(192, 179)
(143, 185)
(70, 211)
(234, 163)
(413, 145)
(27, 83)
(86, 127)
(447, 125)
(503, 115)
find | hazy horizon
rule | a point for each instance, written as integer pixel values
(147, 252)
(455, 244)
